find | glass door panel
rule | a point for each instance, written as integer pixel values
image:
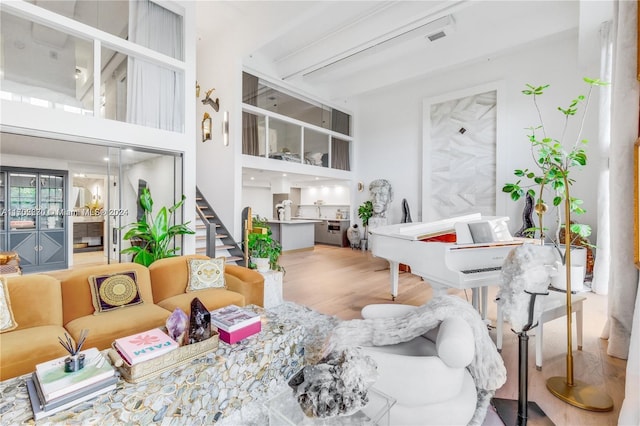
(22, 196)
(51, 202)
(3, 206)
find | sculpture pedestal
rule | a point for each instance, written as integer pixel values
(272, 288)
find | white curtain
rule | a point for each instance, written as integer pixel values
(624, 298)
(155, 95)
(600, 282)
(623, 276)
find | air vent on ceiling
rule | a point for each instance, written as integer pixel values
(436, 36)
(432, 30)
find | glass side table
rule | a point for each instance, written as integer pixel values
(285, 410)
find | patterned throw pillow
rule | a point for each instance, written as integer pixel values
(7, 322)
(206, 273)
(115, 291)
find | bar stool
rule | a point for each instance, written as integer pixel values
(554, 307)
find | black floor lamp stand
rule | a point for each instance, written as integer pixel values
(522, 411)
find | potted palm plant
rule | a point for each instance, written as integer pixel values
(152, 237)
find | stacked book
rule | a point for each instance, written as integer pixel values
(235, 323)
(144, 346)
(51, 389)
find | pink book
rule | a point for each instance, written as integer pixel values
(242, 333)
(145, 346)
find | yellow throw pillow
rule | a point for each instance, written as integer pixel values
(7, 322)
(206, 273)
(115, 291)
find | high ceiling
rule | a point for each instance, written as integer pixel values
(339, 49)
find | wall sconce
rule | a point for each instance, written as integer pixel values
(225, 129)
(206, 127)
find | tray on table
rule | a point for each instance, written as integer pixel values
(154, 367)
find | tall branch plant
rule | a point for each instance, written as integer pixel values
(554, 159)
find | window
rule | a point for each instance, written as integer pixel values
(280, 125)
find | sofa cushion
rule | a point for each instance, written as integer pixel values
(27, 289)
(169, 276)
(114, 291)
(106, 327)
(7, 322)
(206, 273)
(212, 298)
(76, 291)
(19, 358)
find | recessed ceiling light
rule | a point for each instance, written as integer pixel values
(317, 178)
(252, 178)
(106, 158)
(284, 174)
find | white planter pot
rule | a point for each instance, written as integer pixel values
(559, 281)
(578, 270)
(262, 263)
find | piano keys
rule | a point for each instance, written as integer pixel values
(460, 252)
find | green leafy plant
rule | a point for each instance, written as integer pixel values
(153, 236)
(554, 161)
(365, 211)
(264, 246)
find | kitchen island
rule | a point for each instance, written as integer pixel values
(296, 234)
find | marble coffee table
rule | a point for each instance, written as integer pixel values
(201, 392)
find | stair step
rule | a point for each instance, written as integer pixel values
(221, 236)
(201, 237)
(201, 250)
(232, 258)
(224, 247)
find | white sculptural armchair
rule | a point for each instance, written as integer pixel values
(426, 375)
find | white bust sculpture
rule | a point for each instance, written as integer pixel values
(381, 196)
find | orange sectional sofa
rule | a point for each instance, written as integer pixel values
(45, 307)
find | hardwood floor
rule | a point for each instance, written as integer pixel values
(341, 281)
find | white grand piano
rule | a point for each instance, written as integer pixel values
(473, 261)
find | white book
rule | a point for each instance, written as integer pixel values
(232, 318)
(55, 382)
(41, 410)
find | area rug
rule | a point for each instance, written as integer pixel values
(318, 327)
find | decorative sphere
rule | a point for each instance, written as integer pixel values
(541, 208)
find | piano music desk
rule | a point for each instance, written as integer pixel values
(554, 306)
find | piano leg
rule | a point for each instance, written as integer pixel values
(475, 299)
(394, 267)
(479, 300)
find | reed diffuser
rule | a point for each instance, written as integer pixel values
(75, 360)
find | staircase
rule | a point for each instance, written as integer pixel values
(212, 238)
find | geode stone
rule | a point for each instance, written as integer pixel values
(336, 386)
(177, 326)
(200, 322)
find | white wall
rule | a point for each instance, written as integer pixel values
(389, 122)
(218, 167)
(260, 199)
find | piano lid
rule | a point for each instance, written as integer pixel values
(422, 230)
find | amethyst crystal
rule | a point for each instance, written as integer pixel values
(200, 323)
(177, 326)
